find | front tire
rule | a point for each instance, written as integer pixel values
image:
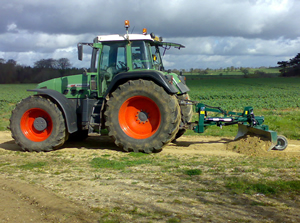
(142, 117)
(37, 124)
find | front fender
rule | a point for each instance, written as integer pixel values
(69, 111)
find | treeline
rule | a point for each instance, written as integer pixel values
(45, 69)
(198, 71)
(290, 68)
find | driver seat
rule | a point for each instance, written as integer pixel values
(111, 71)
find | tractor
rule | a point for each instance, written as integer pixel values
(126, 91)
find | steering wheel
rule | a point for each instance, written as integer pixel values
(122, 64)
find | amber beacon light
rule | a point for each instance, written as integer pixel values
(127, 24)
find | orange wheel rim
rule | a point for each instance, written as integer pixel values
(139, 117)
(28, 128)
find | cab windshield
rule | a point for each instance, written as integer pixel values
(146, 55)
(141, 55)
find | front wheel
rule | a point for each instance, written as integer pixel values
(142, 117)
(38, 125)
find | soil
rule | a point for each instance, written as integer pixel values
(43, 202)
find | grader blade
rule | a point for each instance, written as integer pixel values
(271, 136)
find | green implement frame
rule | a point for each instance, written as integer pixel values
(247, 122)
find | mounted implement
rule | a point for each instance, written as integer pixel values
(248, 123)
(126, 91)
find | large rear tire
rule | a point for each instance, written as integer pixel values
(37, 124)
(142, 117)
(186, 115)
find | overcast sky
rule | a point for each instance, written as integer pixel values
(216, 33)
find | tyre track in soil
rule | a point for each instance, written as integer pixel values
(21, 202)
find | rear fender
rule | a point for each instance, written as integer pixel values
(157, 77)
(69, 111)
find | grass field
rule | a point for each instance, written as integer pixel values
(276, 98)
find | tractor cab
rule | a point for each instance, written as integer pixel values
(113, 55)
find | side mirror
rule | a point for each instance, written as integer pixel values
(80, 51)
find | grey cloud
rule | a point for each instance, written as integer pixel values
(179, 18)
(220, 30)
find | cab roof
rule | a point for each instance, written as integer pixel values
(132, 37)
(117, 37)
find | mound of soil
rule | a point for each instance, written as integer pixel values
(250, 145)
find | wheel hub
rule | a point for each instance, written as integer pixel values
(139, 117)
(142, 116)
(40, 124)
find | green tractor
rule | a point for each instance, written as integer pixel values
(126, 91)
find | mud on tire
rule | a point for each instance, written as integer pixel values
(37, 124)
(142, 117)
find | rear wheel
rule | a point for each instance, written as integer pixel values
(142, 117)
(38, 125)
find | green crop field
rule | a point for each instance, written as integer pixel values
(10, 95)
(275, 98)
(235, 72)
(261, 93)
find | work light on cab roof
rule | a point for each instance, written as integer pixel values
(145, 32)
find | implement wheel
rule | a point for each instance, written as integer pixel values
(38, 125)
(142, 117)
(282, 143)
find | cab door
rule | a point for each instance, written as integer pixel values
(112, 61)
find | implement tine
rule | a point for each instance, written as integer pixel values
(242, 130)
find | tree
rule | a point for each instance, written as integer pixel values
(295, 62)
(11, 61)
(46, 63)
(245, 71)
(291, 67)
(283, 65)
(63, 63)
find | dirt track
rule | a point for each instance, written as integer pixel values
(24, 202)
